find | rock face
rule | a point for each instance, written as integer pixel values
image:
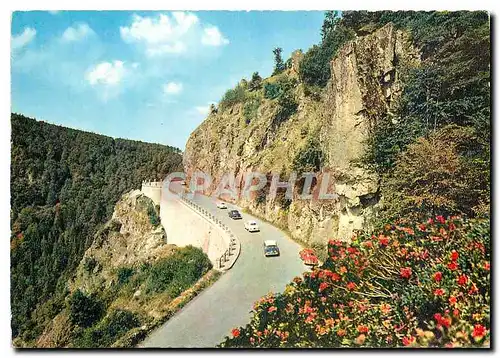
(128, 239)
(365, 82)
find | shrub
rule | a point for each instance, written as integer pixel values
(310, 158)
(272, 90)
(255, 82)
(287, 106)
(84, 310)
(419, 284)
(124, 274)
(89, 264)
(233, 96)
(250, 110)
(314, 69)
(441, 174)
(177, 272)
(154, 218)
(112, 327)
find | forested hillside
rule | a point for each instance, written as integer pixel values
(64, 185)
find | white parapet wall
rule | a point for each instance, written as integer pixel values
(152, 190)
(186, 224)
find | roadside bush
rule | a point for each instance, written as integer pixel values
(84, 310)
(418, 285)
(177, 272)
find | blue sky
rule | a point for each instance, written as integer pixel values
(148, 76)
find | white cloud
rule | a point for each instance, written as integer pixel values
(172, 88)
(106, 73)
(21, 40)
(171, 33)
(77, 32)
(213, 37)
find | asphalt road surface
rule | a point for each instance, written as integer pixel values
(209, 317)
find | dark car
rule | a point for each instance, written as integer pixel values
(234, 214)
(271, 248)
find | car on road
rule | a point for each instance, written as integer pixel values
(234, 214)
(309, 257)
(221, 205)
(251, 226)
(271, 248)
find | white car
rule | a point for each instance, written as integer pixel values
(221, 205)
(251, 226)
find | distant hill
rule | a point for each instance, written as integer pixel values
(64, 185)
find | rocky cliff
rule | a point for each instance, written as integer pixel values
(336, 122)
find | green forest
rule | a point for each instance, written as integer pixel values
(64, 185)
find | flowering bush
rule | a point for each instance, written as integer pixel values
(420, 285)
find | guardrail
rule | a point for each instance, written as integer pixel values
(228, 258)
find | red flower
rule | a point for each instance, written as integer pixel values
(452, 265)
(438, 292)
(473, 289)
(272, 309)
(452, 300)
(335, 276)
(235, 332)
(441, 219)
(422, 227)
(322, 286)
(351, 286)
(408, 340)
(456, 312)
(452, 227)
(383, 240)
(479, 331)
(462, 280)
(430, 221)
(442, 321)
(343, 270)
(362, 329)
(454, 256)
(368, 244)
(487, 266)
(438, 276)
(341, 332)
(406, 272)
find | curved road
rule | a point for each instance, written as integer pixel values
(209, 317)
